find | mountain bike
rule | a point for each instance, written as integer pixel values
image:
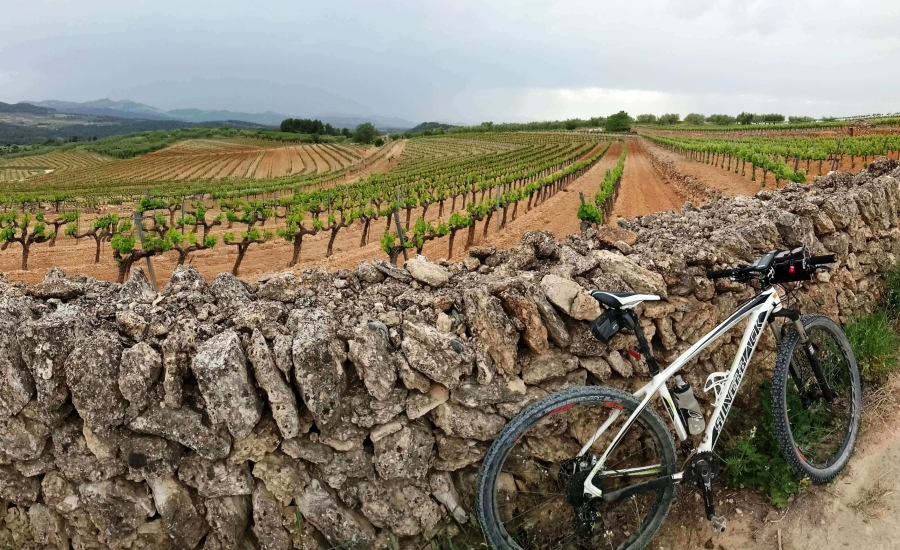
(596, 467)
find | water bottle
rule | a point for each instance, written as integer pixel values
(688, 406)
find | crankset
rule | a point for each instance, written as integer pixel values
(700, 471)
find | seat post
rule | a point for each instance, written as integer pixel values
(643, 345)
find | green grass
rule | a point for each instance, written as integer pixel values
(875, 344)
(753, 458)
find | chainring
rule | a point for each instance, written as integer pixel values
(696, 463)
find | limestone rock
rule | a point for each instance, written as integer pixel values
(392, 271)
(455, 453)
(424, 271)
(75, 459)
(230, 292)
(419, 404)
(570, 297)
(267, 525)
(281, 352)
(185, 278)
(610, 235)
(149, 456)
(216, 479)
(139, 369)
(556, 327)
(228, 518)
(496, 333)
(338, 524)
(370, 351)
(57, 287)
(271, 380)
(368, 273)
(404, 509)
(118, 508)
(182, 426)
(22, 438)
(284, 476)
(185, 525)
(47, 527)
(18, 489)
(318, 362)
(45, 344)
(596, 366)
(221, 372)
(404, 454)
(263, 439)
(16, 383)
(265, 316)
(467, 423)
(284, 286)
(310, 451)
(552, 364)
(441, 357)
(92, 372)
(619, 364)
(639, 278)
(527, 312)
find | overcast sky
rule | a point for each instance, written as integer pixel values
(459, 60)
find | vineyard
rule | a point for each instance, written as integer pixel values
(441, 187)
(784, 159)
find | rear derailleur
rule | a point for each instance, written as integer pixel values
(700, 471)
(573, 474)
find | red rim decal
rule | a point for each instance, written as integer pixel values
(799, 452)
(561, 409)
(612, 405)
(634, 354)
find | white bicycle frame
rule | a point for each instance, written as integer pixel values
(725, 385)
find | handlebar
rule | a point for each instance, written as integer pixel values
(804, 268)
(822, 260)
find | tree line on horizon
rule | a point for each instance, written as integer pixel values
(746, 118)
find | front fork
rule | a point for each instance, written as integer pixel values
(811, 355)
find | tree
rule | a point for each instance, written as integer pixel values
(619, 122)
(101, 231)
(379, 142)
(295, 230)
(125, 250)
(365, 133)
(800, 119)
(745, 118)
(694, 119)
(646, 119)
(249, 214)
(17, 228)
(769, 118)
(670, 118)
(721, 120)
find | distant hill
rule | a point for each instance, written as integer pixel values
(267, 118)
(134, 110)
(107, 107)
(430, 126)
(24, 108)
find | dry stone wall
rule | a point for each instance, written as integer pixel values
(352, 408)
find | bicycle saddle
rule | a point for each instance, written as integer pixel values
(621, 300)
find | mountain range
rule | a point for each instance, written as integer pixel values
(132, 109)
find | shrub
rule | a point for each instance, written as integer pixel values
(379, 142)
(892, 291)
(875, 345)
(754, 458)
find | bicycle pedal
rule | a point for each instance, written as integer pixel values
(718, 523)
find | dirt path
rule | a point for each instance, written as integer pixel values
(858, 510)
(558, 213)
(643, 190)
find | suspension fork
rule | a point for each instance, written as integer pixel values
(810, 350)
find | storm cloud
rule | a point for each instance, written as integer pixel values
(459, 60)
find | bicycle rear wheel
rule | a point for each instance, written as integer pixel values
(816, 437)
(530, 487)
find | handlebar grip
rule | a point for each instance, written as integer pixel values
(721, 273)
(820, 260)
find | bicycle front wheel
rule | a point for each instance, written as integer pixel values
(816, 437)
(530, 488)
